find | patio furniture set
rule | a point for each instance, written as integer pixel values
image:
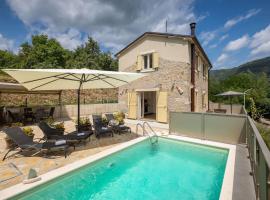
(55, 139)
(29, 115)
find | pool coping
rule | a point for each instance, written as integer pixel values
(20, 187)
(227, 185)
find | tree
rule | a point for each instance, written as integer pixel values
(259, 93)
(43, 52)
(8, 59)
(90, 56)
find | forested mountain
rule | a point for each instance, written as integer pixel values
(255, 66)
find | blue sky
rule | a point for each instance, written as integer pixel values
(231, 32)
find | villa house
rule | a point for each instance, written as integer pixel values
(176, 69)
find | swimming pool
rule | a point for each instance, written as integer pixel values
(169, 170)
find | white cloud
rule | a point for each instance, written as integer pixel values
(207, 37)
(223, 37)
(230, 23)
(212, 46)
(69, 39)
(260, 42)
(237, 44)
(6, 44)
(222, 58)
(263, 49)
(114, 23)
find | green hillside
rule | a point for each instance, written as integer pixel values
(255, 66)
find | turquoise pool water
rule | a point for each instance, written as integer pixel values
(169, 170)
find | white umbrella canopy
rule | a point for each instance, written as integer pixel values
(66, 79)
(230, 93)
(70, 79)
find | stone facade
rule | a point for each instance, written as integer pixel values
(68, 97)
(168, 76)
(201, 86)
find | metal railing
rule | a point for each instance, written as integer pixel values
(232, 129)
(259, 155)
(152, 138)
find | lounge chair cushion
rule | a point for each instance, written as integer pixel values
(60, 142)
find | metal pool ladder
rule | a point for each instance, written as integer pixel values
(153, 138)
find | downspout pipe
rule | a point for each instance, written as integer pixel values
(192, 48)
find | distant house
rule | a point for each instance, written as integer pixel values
(176, 69)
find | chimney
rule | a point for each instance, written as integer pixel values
(192, 28)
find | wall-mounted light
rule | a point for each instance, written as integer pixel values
(180, 90)
(124, 91)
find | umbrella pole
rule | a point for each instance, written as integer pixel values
(78, 101)
(231, 103)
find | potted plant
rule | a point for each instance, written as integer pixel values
(29, 132)
(119, 116)
(105, 121)
(59, 126)
(85, 124)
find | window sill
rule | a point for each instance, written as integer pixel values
(147, 70)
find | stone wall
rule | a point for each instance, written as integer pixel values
(236, 108)
(201, 84)
(167, 77)
(68, 97)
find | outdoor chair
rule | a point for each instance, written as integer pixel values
(51, 133)
(52, 109)
(15, 117)
(25, 143)
(29, 115)
(120, 128)
(40, 114)
(100, 128)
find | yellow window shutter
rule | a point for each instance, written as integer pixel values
(162, 107)
(155, 60)
(132, 105)
(139, 62)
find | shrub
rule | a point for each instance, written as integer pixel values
(253, 110)
(17, 124)
(263, 106)
(28, 131)
(265, 133)
(119, 116)
(84, 121)
(50, 120)
(104, 120)
(59, 125)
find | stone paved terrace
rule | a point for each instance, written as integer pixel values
(17, 166)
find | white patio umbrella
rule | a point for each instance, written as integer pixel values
(70, 79)
(230, 94)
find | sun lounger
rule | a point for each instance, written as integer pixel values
(25, 143)
(51, 133)
(120, 128)
(100, 128)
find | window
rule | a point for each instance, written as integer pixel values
(204, 70)
(203, 100)
(197, 63)
(148, 61)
